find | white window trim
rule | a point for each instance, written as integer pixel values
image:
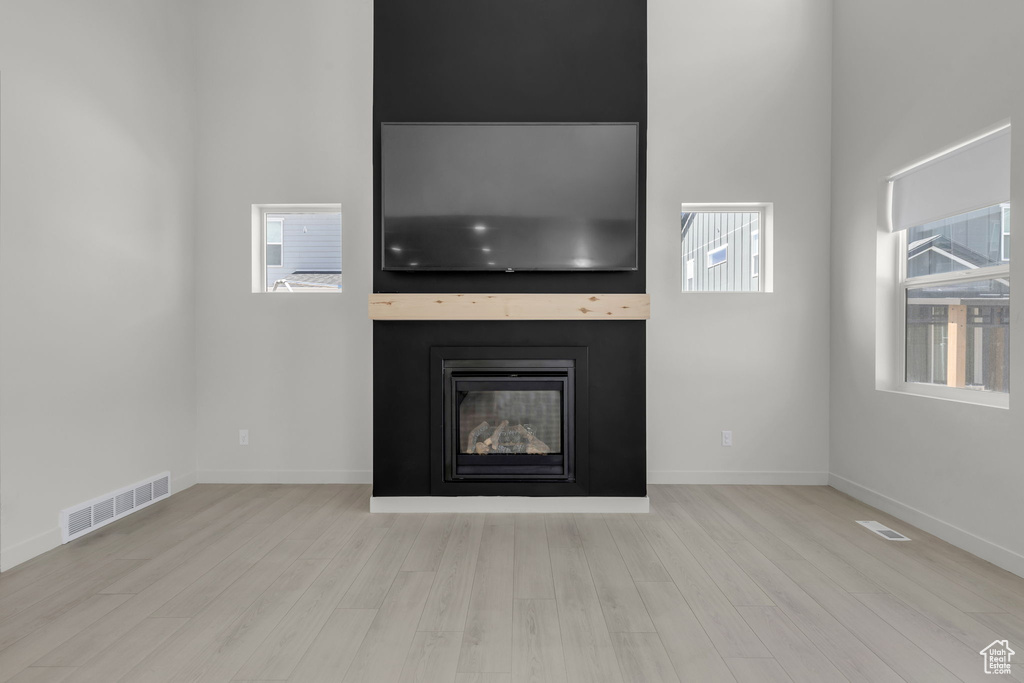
(725, 248)
(766, 273)
(897, 382)
(690, 273)
(259, 244)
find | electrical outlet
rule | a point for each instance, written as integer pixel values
(243, 437)
(727, 437)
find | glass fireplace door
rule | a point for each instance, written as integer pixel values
(509, 425)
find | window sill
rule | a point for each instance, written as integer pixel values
(303, 290)
(988, 399)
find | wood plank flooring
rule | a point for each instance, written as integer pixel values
(301, 583)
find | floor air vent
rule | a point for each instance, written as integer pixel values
(884, 531)
(81, 519)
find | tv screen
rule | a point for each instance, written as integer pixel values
(485, 196)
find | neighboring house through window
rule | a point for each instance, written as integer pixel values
(1005, 245)
(755, 254)
(299, 248)
(275, 240)
(721, 247)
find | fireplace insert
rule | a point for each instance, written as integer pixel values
(509, 421)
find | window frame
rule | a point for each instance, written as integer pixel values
(766, 243)
(709, 265)
(903, 285)
(891, 282)
(259, 284)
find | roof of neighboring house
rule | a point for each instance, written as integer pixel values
(948, 248)
(987, 292)
(312, 278)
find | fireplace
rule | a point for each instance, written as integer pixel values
(509, 420)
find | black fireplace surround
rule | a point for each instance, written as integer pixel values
(499, 61)
(508, 416)
(609, 399)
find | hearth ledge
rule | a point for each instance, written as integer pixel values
(553, 504)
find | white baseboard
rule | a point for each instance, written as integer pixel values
(756, 478)
(509, 504)
(48, 540)
(285, 477)
(182, 482)
(14, 555)
(987, 550)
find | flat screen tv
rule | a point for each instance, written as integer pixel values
(509, 197)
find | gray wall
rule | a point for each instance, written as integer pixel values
(97, 343)
(746, 123)
(911, 78)
(104, 377)
(317, 347)
(293, 370)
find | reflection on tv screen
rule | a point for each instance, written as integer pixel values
(509, 196)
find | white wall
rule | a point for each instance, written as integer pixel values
(739, 98)
(288, 119)
(118, 292)
(97, 360)
(910, 78)
(285, 105)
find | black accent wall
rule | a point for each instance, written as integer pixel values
(510, 61)
(617, 451)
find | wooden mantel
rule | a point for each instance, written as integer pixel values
(510, 306)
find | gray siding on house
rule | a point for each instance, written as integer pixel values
(705, 231)
(312, 242)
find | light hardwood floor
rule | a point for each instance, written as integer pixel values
(301, 583)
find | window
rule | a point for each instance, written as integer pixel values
(718, 256)
(957, 292)
(275, 240)
(296, 248)
(958, 334)
(726, 240)
(954, 285)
